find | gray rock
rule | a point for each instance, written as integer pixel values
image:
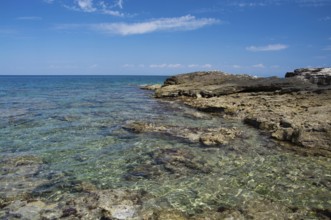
(319, 76)
(214, 84)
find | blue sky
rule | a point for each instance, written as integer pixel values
(157, 37)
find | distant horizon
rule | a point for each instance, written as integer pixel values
(164, 75)
(259, 37)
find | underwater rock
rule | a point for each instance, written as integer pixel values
(221, 136)
(18, 177)
(169, 161)
(179, 160)
(143, 171)
(207, 136)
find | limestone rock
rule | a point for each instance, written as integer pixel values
(151, 87)
(294, 109)
(214, 84)
(319, 76)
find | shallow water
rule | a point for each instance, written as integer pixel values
(68, 129)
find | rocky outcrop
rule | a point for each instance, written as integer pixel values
(211, 84)
(319, 76)
(294, 109)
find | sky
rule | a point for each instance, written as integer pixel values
(158, 37)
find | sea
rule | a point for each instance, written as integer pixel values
(61, 132)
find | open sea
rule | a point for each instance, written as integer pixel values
(62, 136)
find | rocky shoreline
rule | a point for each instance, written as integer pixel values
(295, 110)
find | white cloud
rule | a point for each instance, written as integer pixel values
(260, 65)
(208, 66)
(29, 18)
(255, 3)
(86, 5)
(113, 13)
(270, 47)
(236, 66)
(108, 10)
(97, 6)
(183, 23)
(193, 66)
(164, 65)
(120, 3)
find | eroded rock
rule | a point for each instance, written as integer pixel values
(293, 109)
(319, 76)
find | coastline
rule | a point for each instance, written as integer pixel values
(117, 153)
(294, 110)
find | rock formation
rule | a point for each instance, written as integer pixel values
(319, 76)
(295, 109)
(211, 84)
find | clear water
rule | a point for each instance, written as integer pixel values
(73, 124)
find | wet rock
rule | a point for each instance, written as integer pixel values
(177, 161)
(221, 136)
(99, 204)
(171, 214)
(141, 127)
(143, 171)
(18, 177)
(68, 212)
(67, 118)
(206, 136)
(319, 76)
(151, 87)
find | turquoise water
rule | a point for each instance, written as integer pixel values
(67, 131)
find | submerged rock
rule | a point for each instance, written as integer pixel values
(18, 178)
(221, 136)
(206, 136)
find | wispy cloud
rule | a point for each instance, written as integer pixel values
(183, 23)
(112, 8)
(314, 3)
(7, 31)
(119, 3)
(86, 5)
(169, 66)
(259, 3)
(29, 18)
(164, 65)
(326, 18)
(260, 65)
(328, 48)
(49, 1)
(270, 47)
